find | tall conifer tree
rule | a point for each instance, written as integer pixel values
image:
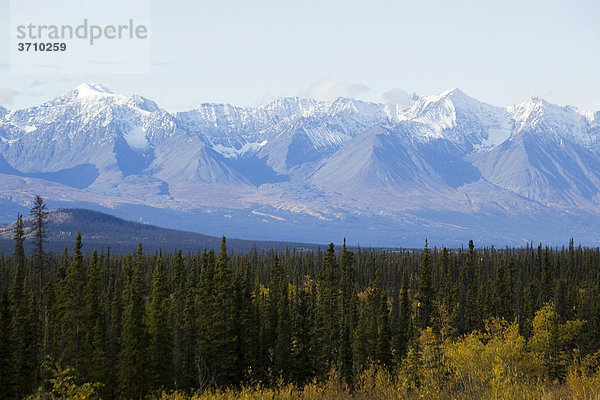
(159, 332)
(133, 358)
(426, 293)
(40, 220)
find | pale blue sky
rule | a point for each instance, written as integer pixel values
(501, 52)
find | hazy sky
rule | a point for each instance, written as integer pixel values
(244, 52)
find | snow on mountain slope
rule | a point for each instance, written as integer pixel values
(285, 132)
(92, 90)
(198, 163)
(87, 125)
(545, 168)
(537, 115)
(233, 127)
(377, 160)
(454, 116)
(120, 136)
(304, 160)
(396, 171)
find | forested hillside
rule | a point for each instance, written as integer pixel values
(435, 323)
(107, 232)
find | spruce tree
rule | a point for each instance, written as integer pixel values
(32, 336)
(40, 220)
(261, 355)
(187, 375)
(205, 369)
(404, 321)
(425, 294)
(248, 327)
(133, 358)
(217, 341)
(363, 340)
(18, 326)
(19, 237)
(560, 300)
(225, 340)
(160, 345)
(283, 341)
(7, 364)
(593, 325)
(24, 335)
(302, 351)
(371, 338)
(546, 288)
(176, 312)
(277, 290)
(94, 314)
(345, 364)
(528, 310)
(448, 296)
(328, 313)
(72, 296)
(383, 354)
(114, 334)
(55, 298)
(471, 277)
(510, 290)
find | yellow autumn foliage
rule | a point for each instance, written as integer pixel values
(497, 363)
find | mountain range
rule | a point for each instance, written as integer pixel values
(447, 167)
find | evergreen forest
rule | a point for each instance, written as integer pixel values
(332, 323)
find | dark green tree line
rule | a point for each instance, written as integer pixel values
(146, 322)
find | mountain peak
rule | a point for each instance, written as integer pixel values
(536, 101)
(457, 96)
(533, 105)
(92, 90)
(452, 92)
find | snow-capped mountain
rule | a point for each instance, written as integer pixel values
(544, 167)
(445, 166)
(537, 115)
(456, 117)
(286, 133)
(378, 159)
